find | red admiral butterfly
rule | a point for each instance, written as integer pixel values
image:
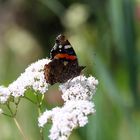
(64, 64)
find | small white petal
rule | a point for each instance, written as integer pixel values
(4, 94)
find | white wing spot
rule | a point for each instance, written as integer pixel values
(67, 46)
(55, 47)
(60, 46)
(65, 63)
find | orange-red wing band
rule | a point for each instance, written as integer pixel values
(66, 56)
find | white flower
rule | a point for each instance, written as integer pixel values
(4, 94)
(43, 119)
(79, 88)
(33, 77)
(77, 94)
(1, 111)
(72, 115)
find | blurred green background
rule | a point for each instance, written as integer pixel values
(106, 37)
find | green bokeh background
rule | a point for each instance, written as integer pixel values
(106, 37)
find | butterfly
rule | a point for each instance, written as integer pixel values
(64, 63)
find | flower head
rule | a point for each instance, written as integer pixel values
(33, 77)
(77, 94)
(71, 115)
(79, 88)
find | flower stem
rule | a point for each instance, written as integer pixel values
(41, 133)
(39, 103)
(30, 100)
(15, 120)
(7, 115)
(19, 128)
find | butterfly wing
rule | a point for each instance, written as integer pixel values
(62, 49)
(53, 71)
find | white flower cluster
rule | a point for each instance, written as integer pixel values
(33, 77)
(79, 88)
(77, 94)
(71, 115)
(4, 94)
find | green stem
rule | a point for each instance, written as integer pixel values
(20, 129)
(10, 109)
(16, 122)
(7, 115)
(16, 109)
(39, 103)
(41, 133)
(30, 100)
(42, 100)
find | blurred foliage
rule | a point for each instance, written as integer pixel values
(106, 37)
